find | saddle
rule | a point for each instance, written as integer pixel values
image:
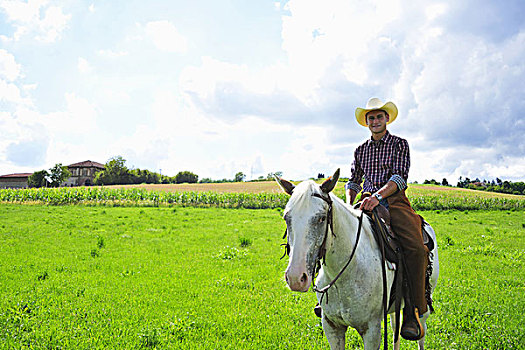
(389, 239)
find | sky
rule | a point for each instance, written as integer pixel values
(221, 87)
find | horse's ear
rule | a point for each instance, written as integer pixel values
(286, 185)
(329, 184)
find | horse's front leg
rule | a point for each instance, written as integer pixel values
(334, 333)
(371, 335)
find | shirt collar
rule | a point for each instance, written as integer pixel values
(386, 137)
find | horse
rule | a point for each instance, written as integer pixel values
(356, 298)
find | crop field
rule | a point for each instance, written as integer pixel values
(226, 187)
(192, 277)
(256, 195)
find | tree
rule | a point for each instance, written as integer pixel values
(430, 182)
(239, 177)
(38, 179)
(444, 182)
(115, 173)
(270, 176)
(186, 176)
(320, 176)
(58, 174)
(139, 176)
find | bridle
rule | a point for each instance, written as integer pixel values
(321, 255)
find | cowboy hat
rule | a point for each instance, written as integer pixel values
(373, 104)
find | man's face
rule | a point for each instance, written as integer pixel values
(376, 121)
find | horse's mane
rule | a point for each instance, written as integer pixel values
(304, 191)
(301, 195)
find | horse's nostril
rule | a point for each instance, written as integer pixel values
(304, 278)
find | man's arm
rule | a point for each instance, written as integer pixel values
(387, 190)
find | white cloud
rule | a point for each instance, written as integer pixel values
(433, 11)
(10, 93)
(30, 138)
(45, 22)
(79, 117)
(9, 69)
(22, 11)
(24, 140)
(307, 154)
(448, 84)
(166, 37)
(112, 54)
(84, 66)
(229, 92)
(52, 24)
(455, 72)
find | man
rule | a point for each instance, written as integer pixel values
(384, 161)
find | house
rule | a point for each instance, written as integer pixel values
(83, 173)
(14, 180)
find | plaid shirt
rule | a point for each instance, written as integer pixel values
(379, 162)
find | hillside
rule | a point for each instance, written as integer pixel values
(226, 187)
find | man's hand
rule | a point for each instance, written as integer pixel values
(369, 203)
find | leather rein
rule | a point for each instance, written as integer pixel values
(322, 251)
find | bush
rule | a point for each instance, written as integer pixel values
(186, 176)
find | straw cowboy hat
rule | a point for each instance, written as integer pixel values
(373, 104)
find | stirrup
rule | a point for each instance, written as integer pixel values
(413, 318)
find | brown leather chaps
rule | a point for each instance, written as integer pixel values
(407, 227)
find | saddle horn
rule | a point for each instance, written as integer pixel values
(286, 185)
(328, 185)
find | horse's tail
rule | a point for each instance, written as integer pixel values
(428, 285)
(432, 260)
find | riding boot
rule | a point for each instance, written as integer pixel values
(411, 328)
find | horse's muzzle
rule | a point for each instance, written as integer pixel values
(298, 282)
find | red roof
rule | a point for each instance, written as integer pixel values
(19, 175)
(87, 164)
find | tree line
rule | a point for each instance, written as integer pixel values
(117, 173)
(49, 178)
(484, 185)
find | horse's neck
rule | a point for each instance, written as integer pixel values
(346, 227)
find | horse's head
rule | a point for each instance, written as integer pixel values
(307, 218)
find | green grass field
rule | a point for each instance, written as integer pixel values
(95, 277)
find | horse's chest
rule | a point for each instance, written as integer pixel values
(354, 300)
(350, 308)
